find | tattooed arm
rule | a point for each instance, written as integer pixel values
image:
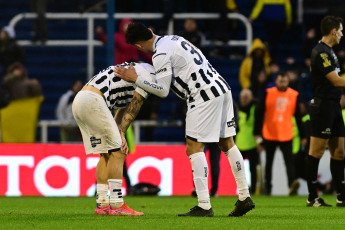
(118, 116)
(124, 117)
(131, 112)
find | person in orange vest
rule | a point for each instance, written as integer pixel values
(274, 126)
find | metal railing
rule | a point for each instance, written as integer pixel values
(46, 124)
(90, 42)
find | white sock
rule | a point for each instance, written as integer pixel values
(200, 177)
(102, 199)
(237, 166)
(116, 199)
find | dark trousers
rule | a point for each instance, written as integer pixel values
(253, 157)
(274, 32)
(125, 175)
(214, 163)
(40, 24)
(286, 148)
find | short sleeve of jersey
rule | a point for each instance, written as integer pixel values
(323, 63)
(162, 63)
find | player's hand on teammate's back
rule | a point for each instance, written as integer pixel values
(126, 74)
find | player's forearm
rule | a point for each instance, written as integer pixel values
(119, 115)
(340, 82)
(131, 112)
(335, 79)
(161, 88)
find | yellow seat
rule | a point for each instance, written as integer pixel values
(19, 120)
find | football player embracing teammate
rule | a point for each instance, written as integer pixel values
(183, 68)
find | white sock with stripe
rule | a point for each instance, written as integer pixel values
(116, 199)
(237, 166)
(102, 199)
(200, 177)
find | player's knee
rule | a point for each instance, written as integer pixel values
(316, 154)
(194, 148)
(117, 155)
(338, 154)
(226, 143)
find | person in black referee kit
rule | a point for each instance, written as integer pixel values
(325, 112)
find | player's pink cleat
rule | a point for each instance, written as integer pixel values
(102, 210)
(124, 210)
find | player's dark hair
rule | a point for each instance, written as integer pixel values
(137, 32)
(328, 23)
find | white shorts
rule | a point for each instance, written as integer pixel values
(97, 125)
(211, 120)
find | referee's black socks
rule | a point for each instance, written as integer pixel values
(312, 165)
(337, 170)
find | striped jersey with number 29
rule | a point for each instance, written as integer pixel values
(193, 77)
(117, 92)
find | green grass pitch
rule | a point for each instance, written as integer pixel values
(160, 213)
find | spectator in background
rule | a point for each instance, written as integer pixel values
(293, 79)
(262, 83)
(276, 112)
(123, 52)
(309, 42)
(305, 86)
(245, 139)
(191, 33)
(274, 70)
(10, 51)
(277, 17)
(68, 133)
(219, 28)
(4, 97)
(234, 29)
(257, 60)
(313, 12)
(19, 84)
(40, 27)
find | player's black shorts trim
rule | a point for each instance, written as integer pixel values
(113, 150)
(192, 138)
(326, 118)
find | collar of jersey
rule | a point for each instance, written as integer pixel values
(155, 43)
(321, 42)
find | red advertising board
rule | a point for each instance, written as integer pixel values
(65, 170)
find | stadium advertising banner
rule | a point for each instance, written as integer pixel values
(65, 170)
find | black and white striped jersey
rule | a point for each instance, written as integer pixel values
(117, 92)
(193, 77)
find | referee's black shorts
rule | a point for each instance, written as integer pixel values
(326, 118)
